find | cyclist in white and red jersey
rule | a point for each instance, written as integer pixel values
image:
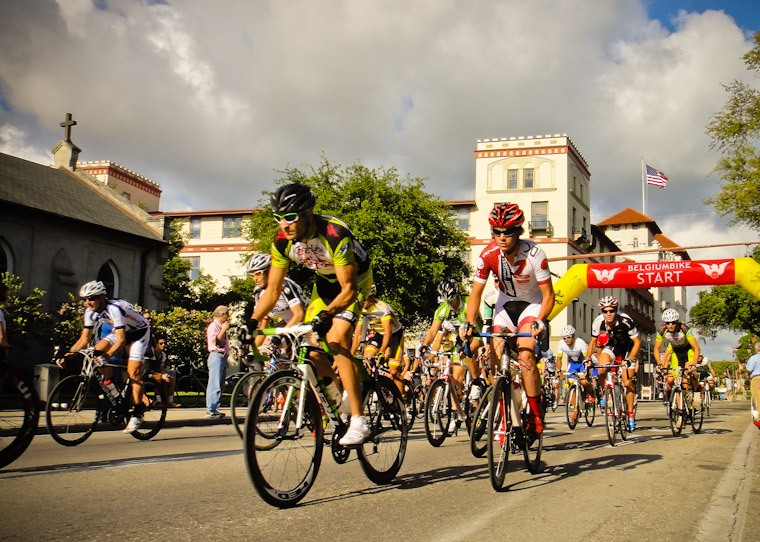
(129, 330)
(344, 272)
(623, 342)
(525, 295)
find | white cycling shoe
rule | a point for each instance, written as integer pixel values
(133, 424)
(358, 430)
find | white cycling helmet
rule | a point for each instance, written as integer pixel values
(608, 301)
(92, 288)
(258, 262)
(567, 331)
(670, 316)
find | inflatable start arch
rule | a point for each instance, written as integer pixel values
(742, 271)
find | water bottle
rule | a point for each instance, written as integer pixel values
(111, 389)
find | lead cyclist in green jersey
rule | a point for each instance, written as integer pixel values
(344, 275)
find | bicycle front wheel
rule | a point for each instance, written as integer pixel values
(676, 412)
(697, 416)
(609, 415)
(571, 407)
(382, 453)
(437, 413)
(410, 404)
(472, 400)
(242, 396)
(282, 451)
(73, 408)
(479, 431)
(19, 414)
(589, 409)
(622, 401)
(156, 399)
(499, 438)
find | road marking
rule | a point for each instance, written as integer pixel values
(724, 519)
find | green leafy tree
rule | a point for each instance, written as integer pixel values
(185, 332)
(735, 131)
(69, 321)
(411, 238)
(177, 283)
(27, 324)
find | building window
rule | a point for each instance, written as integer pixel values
(528, 178)
(127, 196)
(195, 228)
(232, 226)
(6, 257)
(635, 242)
(109, 276)
(634, 226)
(461, 218)
(195, 267)
(512, 179)
(618, 243)
(616, 227)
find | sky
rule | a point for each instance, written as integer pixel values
(213, 100)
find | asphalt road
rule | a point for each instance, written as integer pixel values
(190, 482)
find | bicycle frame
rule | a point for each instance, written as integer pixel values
(446, 377)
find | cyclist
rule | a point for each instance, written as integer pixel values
(682, 345)
(344, 273)
(623, 343)
(129, 330)
(753, 371)
(575, 349)
(444, 335)
(548, 364)
(289, 309)
(525, 296)
(705, 371)
(388, 338)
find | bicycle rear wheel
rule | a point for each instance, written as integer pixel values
(499, 439)
(189, 392)
(571, 407)
(474, 397)
(622, 424)
(676, 412)
(282, 455)
(410, 404)
(437, 413)
(382, 453)
(609, 415)
(19, 414)
(590, 410)
(154, 415)
(479, 431)
(697, 416)
(242, 395)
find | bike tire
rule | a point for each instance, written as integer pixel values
(419, 400)
(590, 410)
(697, 417)
(531, 447)
(282, 460)
(19, 414)
(479, 431)
(499, 437)
(71, 413)
(571, 407)
(676, 414)
(410, 404)
(622, 423)
(437, 413)
(154, 415)
(609, 415)
(189, 392)
(382, 453)
(468, 407)
(241, 398)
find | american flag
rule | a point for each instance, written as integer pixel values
(656, 177)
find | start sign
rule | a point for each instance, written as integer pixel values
(660, 274)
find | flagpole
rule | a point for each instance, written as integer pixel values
(643, 189)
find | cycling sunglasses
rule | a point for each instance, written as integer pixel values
(509, 232)
(287, 217)
(609, 311)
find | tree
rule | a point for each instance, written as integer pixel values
(177, 283)
(735, 131)
(726, 308)
(409, 234)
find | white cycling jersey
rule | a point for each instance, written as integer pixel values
(291, 295)
(575, 353)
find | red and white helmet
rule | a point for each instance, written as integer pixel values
(506, 215)
(608, 301)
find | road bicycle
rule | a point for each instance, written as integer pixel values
(413, 394)
(682, 406)
(548, 391)
(577, 402)
(19, 413)
(78, 403)
(284, 428)
(615, 406)
(444, 408)
(190, 389)
(706, 396)
(246, 386)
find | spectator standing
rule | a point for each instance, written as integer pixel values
(218, 348)
(729, 388)
(753, 371)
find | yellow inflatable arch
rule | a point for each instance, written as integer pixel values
(742, 271)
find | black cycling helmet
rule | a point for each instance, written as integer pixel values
(292, 198)
(448, 289)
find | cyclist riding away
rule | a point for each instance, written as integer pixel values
(525, 296)
(129, 331)
(683, 346)
(706, 372)
(344, 272)
(388, 338)
(549, 372)
(443, 335)
(623, 343)
(575, 350)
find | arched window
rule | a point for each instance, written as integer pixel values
(635, 242)
(6, 257)
(109, 275)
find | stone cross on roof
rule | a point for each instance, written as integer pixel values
(67, 124)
